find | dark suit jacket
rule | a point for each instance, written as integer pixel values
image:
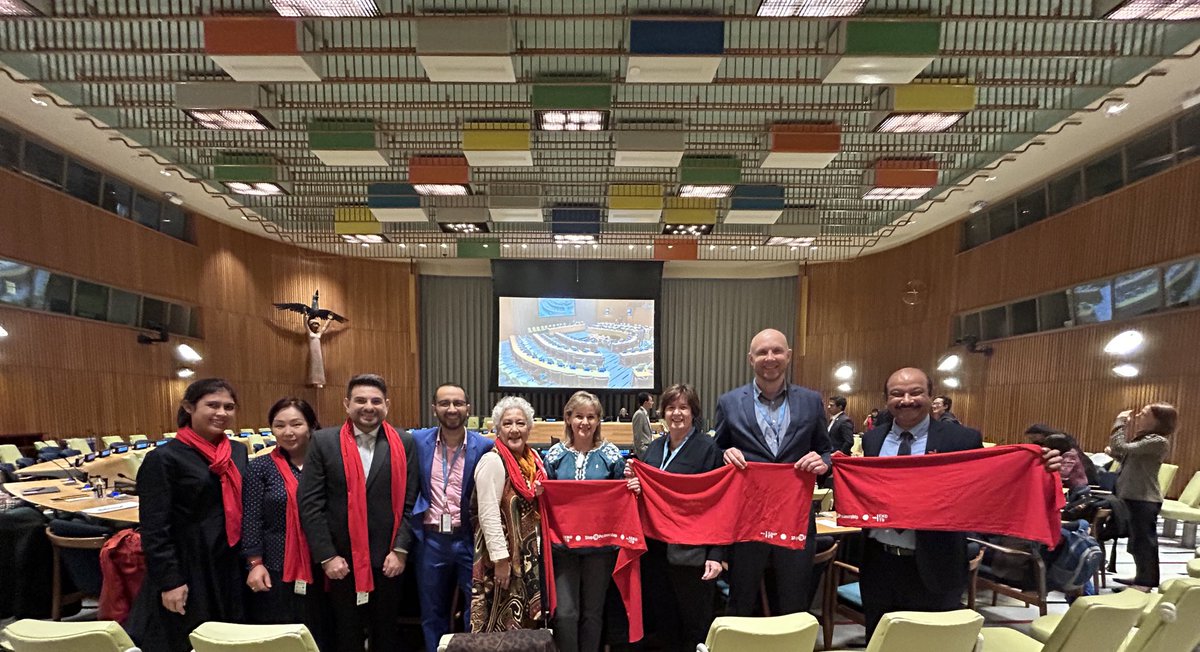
(737, 426)
(841, 435)
(700, 455)
(322, 494)
(941, 556)
(426, 441)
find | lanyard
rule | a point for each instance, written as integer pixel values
(781, 415)
(668, 457)
(453, 460)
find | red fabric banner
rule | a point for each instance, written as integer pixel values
(1000, 490)
(769, 503)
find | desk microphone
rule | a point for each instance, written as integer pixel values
(67, 469)
(128, 487)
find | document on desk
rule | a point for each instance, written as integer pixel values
(104, 509)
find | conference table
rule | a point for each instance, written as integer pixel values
(72, 498)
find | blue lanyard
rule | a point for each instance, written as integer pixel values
(765, 411)
(453, 460)
(666, 446)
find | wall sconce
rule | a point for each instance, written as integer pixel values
(843, 372)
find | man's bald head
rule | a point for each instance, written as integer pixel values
(770, 358)
(908, 393)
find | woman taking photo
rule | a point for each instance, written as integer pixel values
(191, 523)
(1140, 442)
(581, 576)
(506, 591)
(273, 544)
(678, 586)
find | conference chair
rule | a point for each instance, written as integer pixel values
(472, 423)
(1185, 509)
(76, 557)
(215, 636)
(257, 443)
(1173, 624)
(135, 438)
(168, 435)
(10, 454)
(80, 444)
(772, 634)
(1095, 623)
(42, 636)
(112, 440)
(1166, 476)
(40, 444)
(1001, 575)
(1193, 567)
(922, 631)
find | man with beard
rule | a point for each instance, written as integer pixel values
(447, 456)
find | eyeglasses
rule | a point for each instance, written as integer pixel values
(457, 404)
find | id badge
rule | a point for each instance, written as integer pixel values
(360, 598)
(300, 587)
(446, 524)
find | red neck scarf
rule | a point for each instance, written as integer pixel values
(221, 464)
(1017, 497)
(296, 564)
(515, 476)
(356, 499)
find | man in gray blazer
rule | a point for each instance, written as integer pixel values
(641, 425)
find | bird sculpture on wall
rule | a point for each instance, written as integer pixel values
(317, 321)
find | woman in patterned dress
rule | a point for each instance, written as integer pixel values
(506, 587)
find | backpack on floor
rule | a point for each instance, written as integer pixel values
(1077, 557)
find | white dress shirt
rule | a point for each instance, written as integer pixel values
(366, 448)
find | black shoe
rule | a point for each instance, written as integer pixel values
(1122, 580)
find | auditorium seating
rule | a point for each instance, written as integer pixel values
(76, 547)
(112, 440)
(918, 631)
(43, 636)
(775, 634)
(1166, 475)
(80, 444)
(1097, 623)
(229, 637)
(1186, 509)
(136, 438)
(1173, 624)
(1193, 567)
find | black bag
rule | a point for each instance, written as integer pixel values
(1084, 508)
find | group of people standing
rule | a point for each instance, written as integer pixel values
(321, 530)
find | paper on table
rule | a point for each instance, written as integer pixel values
(104, 509)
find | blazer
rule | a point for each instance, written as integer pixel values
(642, 435)
(941, 556)
(841, 434)
(699, 455)
(737, 426)
(322, 496)
(425, 441)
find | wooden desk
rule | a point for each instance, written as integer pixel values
(830, 526)
(65, 500)
(619, 433)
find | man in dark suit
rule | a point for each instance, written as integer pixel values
(769, 420)
(941, 409)
(446, 457)
(916, 570)
(841, 427)
(324, 495)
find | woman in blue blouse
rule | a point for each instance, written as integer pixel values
(581, 576)
(272, 539)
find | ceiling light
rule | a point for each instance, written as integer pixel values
(1156, 10)
(1124, 343)
(687, 229)
(35, 99)
(782, 241)
(574, 238)
(843, 372)
(403, 246)
(445, 246)
(366, 238)
(582, 120)
(464, 227)
(977, 206)
(1119, 107)
(325, 8)
(3, 332)
(950, 362)
(165, 173)
(991, 178)
(185, 373)
(844, 388)
(1126, 370)
(952, 383)
(810, 8)
(174, 198)
(896, 193)
(524, 246)
(239, 119)
(16, 8)
(443, 189)
(260, 189)
(422, 245)
(918, 123)
(705, 192)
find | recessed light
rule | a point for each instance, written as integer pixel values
(780, 241)
(185, 373)
(325, 8)
(844, 388)
(843, 372)
(977, 207)
(810, 8)
(364, 238)
(260, 189)
(574, 238)
(165, 173)
(580, 120)
(918, 123)
(1116, 109)
(35, 99)
(952, 383)
(524, 246)
(753, 247)
(1126, 370)
(1156, 10)
(949, 363)
(236, 119)
(366, 244)
(422, 245)
(16, 8)
(464, 227)
(441, 189)
(445, 246)
(705, 192)
(1125, 343)
(896, 193)
(403, 246)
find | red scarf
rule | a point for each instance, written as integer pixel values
(589, 514)
(515, 476)
(296, 560)
(221, 464)
(769, 503)
(999, 490)
(356, 499)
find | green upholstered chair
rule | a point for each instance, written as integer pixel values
(80, 444)
(1193, 567)
(1097, 623)
(139, 437)
(775, 634)
(47, 636)
(9, 453)
(229, 637)
(112, 439)
(1173, 624)
(1189, 499)
(924, 631)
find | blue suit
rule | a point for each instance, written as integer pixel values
(444, 560)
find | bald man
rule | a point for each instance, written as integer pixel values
(770, 420)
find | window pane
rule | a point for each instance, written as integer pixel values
(83, 183)
(123, 307)
(58, 293)
(1149, 154)
(117, 197)
(1183, 283)
(173, 221)
(1054, 311)
(194, 323)
(1104, 176)
(1065, 192)
(1031, 208)
(154, 313)
(1136, 293)
(1093, 302)
(180, 319)
(10, 148)
(1001, 220)
(970, 326)
(1024, 317)
(1187, 133)
(43, 163)
(91, 300)
(975, 230)
(22, 285)
(995, 323)
(145, 211)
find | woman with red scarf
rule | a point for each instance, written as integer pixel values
(273, 543)
(191, 522)
(506, 590)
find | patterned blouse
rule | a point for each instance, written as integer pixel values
(264, 511)
(603, 463)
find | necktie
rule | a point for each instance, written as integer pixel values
(906, 440)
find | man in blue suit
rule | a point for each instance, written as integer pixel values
(445, 552)
(770, 420)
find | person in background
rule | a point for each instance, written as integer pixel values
(582, 576)
(841, 427)
(677, 581)
(941, 409)
(506, 591)
(1075, 463)
(1141, 442)
(642, 434)
(273, 543)
(869, 422)
(623, 415)
(191, 522)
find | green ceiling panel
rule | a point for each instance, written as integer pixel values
(583, 96)
(912, 39)
(710, 170)
(341, 135)
(234, 166)
(479, 248)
